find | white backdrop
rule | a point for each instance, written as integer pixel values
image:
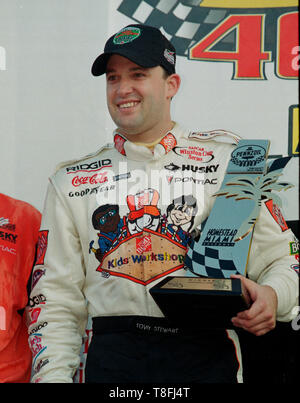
(52, 109)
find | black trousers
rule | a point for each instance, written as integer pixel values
(138, 349)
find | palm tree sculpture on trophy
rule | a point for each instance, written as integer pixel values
(253, 189)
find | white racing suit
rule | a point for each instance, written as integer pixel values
(119, 220)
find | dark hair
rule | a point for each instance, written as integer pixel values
(166, 74)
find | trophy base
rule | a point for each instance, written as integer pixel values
(199, 301)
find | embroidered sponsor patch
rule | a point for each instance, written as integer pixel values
(34, 314)
(146, 243)
(36, 346)
(5, 224)
(294, 247)
(3, 221)
(168, 142)
(100, 177)
(37, 274)
(7, 236)
(276, 214)
(169, 55)
(143, 244)
(294, 251)
(40, 364)
(6, 249)
(119, 143)
(195, 153)
(42, 247)
(126, 35)
(89, 167)
(295, 267)
(145, 261)
(217, 135)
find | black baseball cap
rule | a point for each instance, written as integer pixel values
(142, 44)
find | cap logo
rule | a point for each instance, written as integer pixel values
(169, 56)
(126, 35)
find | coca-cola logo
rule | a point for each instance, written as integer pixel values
(100, 177)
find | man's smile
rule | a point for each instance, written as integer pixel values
(128, 104)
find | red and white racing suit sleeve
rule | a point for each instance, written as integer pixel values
(55, 334)
(271, 262)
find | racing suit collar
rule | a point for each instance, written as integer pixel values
(139, 152)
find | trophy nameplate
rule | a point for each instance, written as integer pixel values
(200, 302)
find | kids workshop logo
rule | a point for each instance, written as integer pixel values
(247, 33)
(145, 243)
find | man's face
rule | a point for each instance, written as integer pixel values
(138, 99)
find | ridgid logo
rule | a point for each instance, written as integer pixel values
(2, 58)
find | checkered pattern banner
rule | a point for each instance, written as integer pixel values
(209, 262)
(184, 23)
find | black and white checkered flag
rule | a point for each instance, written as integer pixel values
(186, 22)
(209, 262)
(183, 22)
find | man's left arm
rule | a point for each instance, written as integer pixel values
(272, 286)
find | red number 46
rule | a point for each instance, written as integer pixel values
(249, 55)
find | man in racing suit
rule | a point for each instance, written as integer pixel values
(125, 192)
(19, 226)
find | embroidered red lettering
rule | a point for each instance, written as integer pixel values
(100, 177)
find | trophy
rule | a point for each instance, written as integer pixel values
(207, 297)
